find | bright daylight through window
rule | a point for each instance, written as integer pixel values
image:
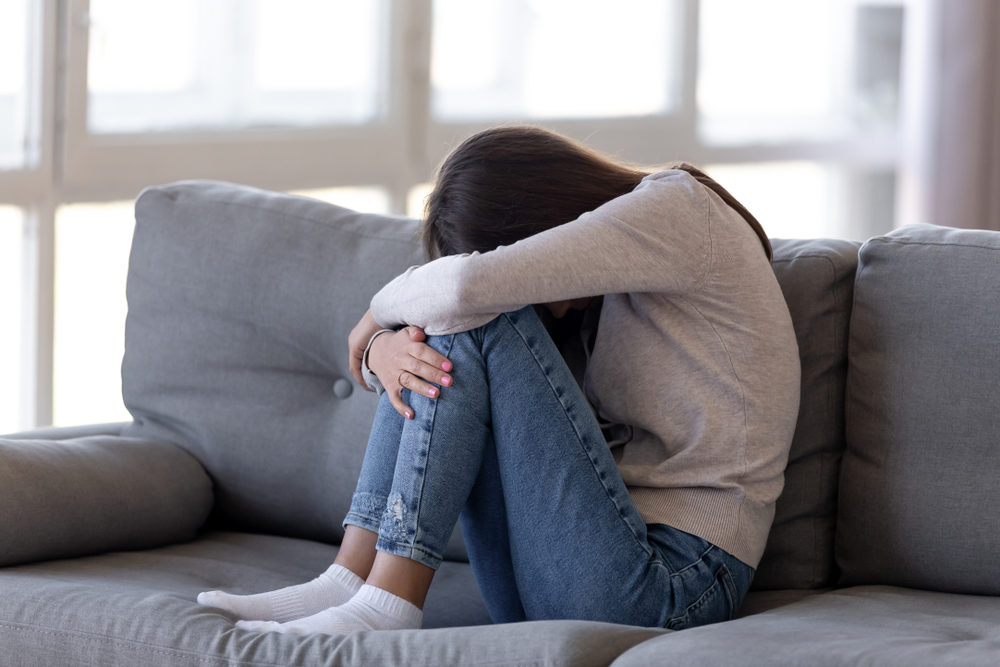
(497, 59)
(192, 64)
(14, 63)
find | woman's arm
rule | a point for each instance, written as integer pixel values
(654, 239)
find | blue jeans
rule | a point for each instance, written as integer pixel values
(514, 449)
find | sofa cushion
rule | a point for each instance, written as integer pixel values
(93, 494)
(868, 625)
(139, 609)
(240, 303)
(816, 278)
(919, 492)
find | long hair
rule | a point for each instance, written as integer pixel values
(508, 183)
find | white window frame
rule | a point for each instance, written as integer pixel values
(30, 189)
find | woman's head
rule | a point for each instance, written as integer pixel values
(508, 183)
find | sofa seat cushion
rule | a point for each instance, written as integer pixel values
(864, 625)
(138, 608)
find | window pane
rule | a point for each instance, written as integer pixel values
(553, 58)
(92, 246)
(11, 220)
(416, 200)
(14, 44)
(365, 200)
(812, 200)
(825, 69)
(203, 64)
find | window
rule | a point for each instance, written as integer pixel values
(214, 64)
(834, 75)
(90, 311)
(536, 59)
(357, 101)
(15, 18)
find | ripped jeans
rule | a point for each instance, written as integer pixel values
(514, 450)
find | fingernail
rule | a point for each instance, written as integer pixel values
(446, 366)
(446, 381)
(408, 414)
(432, 391)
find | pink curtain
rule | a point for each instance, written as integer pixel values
(951, 171)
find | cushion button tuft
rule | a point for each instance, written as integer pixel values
(342, 388)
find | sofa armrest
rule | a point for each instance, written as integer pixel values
(67, 498)
(68, 432)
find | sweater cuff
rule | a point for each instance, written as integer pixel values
(366, 372)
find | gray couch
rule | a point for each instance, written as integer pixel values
(248, 435)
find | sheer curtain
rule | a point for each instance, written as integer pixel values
(951, 172)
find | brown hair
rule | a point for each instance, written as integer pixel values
(508, 183)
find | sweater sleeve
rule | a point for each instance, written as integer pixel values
(653, 239)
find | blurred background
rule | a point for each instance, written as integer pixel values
(839, 118)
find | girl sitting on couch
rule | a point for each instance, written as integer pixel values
(597, 374)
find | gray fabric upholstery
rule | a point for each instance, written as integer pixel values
(76, 497)
(816, 278)
(240, 303)
(875, 625)
(139, 609)
(68, 432)
(919, 492)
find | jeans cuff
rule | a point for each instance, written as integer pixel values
(412, 551)
(366, 511)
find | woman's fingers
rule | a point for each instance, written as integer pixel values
(429, 358)
(397, 402)
(414, 383)
(429, 371)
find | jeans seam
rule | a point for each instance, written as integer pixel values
(423, 478)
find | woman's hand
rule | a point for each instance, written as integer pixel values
(402, 360)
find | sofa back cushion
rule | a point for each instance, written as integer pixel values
(919, 492)
(240, 303)
(816, 277)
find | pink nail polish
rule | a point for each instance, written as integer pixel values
(408, 414)
(446, 365)
(446, 381)
(432, 391)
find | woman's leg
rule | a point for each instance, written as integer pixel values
(550, 525)
(434, 460)
(569, 542)
(575, 546)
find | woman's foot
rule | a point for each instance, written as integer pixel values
(370, 609)
(334, 587)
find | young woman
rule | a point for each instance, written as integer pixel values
(598, 373)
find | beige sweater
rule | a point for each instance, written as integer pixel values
(695, 352)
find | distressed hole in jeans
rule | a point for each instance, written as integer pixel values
(394, 518)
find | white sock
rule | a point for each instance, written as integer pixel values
(334, 587)
(370, 609)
